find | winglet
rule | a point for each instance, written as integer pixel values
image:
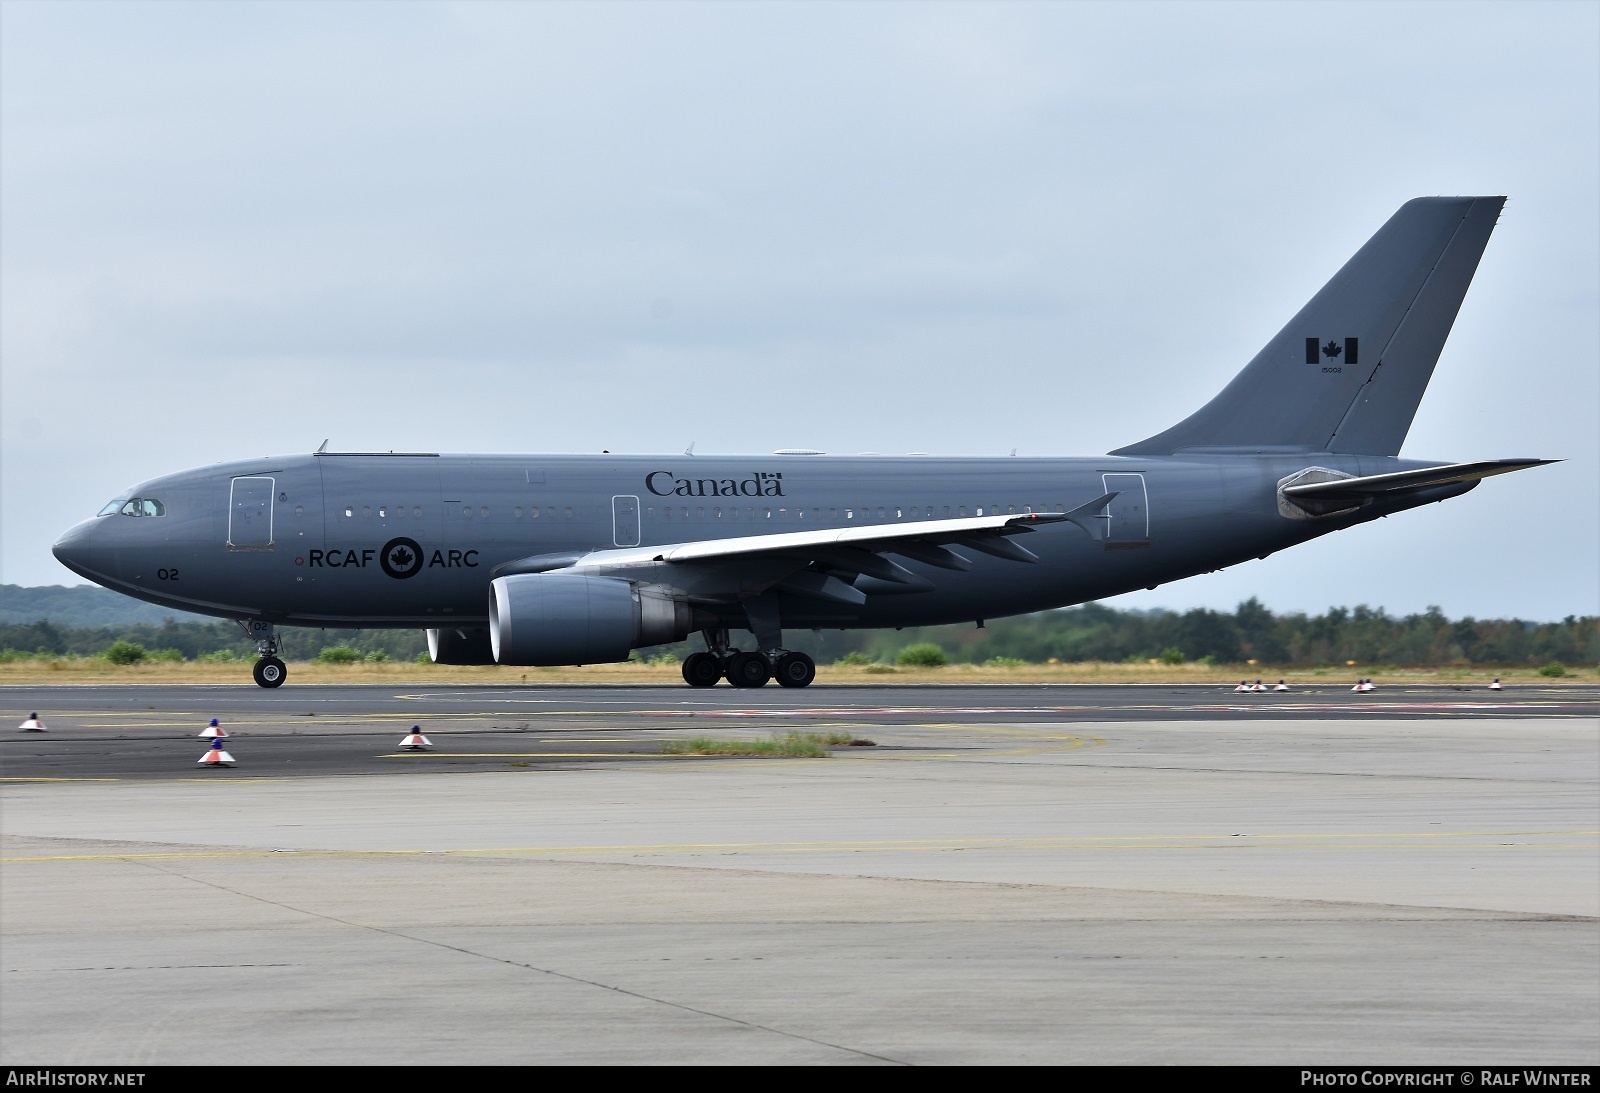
(1093, 517)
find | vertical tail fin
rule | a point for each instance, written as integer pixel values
(1348, 371)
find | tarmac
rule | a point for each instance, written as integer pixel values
(1010, 875)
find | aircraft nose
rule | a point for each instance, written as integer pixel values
(76, 550)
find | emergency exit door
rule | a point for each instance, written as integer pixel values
(1129, 527)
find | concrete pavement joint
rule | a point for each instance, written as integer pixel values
(528, 967)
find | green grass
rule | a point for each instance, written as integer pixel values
(794, 745)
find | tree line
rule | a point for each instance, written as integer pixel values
(1090, 632)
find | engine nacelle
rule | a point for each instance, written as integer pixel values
(460, 646)
(567, 618)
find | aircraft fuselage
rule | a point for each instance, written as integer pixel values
(310, 540)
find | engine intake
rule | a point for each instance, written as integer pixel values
(567, 618)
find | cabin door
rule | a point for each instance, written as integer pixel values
(625, 520)
(1129, 511)
(250, 514)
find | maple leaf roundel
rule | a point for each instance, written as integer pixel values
(401, 558)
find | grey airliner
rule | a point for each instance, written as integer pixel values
(579, 559)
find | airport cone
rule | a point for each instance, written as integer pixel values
(216, 757)
(1366, 685)
(416, 741)
(1361, 685)
(1282, 686)
(1243, 686)
(1496, 685)
(214, 731)
(33, 724)
(1260, 686)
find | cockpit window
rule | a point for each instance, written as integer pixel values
(112, 508)
(143, 506)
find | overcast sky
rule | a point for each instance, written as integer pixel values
(228, 230)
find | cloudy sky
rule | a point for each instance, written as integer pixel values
(234, 229)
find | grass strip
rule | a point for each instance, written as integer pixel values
(794, 745)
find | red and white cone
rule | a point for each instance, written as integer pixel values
(1260, 686)
(1497, 685)
(416, 741)
(216, 757)
(33, 724)
(1367, 685)
(1282, 686)
(1243, 686)
(214, 731)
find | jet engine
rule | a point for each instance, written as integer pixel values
(567, 618)
(460, 646)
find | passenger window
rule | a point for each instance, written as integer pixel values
(533, 512)
(466, 512)
(484, 512)
(349, 511)
(382, 511)
(299, 510)
(112, 508)
(700, 512)
(566, 513)
(416, 511)
(366, 510)
(516, 513)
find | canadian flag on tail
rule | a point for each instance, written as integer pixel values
(1332, 351)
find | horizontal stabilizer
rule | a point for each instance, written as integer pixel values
(1382, 485)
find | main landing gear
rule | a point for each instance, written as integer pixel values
(749, 669)
(269, 671)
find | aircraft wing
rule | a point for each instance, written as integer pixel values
(823, 563)
(1375, 486)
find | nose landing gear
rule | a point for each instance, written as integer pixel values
(268, 671)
